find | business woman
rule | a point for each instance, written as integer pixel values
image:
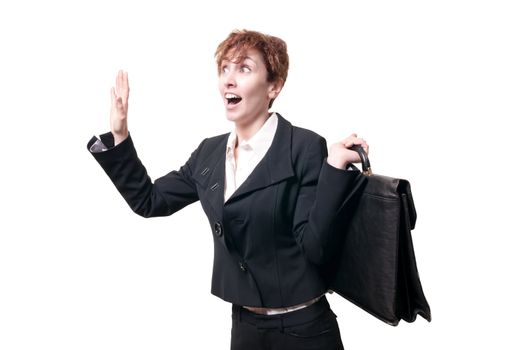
(269, 189)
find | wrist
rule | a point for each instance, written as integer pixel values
(336, 163)
(119, 137)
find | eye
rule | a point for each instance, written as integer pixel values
(245, 69)
(224, 69)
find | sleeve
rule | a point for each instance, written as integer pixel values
(102, 143)
(323, 191)
(165, 196)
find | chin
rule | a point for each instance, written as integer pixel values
(230, 117)
(233, 117)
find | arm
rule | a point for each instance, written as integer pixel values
(116, 153)
(323, 190)
(165, 196)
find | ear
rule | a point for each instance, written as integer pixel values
(274, 89)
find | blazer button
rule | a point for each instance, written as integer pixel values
(218, 229)
(243, 267)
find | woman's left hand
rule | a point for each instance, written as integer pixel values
(340, 155)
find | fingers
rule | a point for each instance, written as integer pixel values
(122, 88)
(353, 139)
(117, 102)
(366, 147)
(350, 140)
(118, 82)
(126, 88)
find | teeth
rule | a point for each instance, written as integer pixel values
(229, 95)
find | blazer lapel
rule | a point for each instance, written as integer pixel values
(275, 166)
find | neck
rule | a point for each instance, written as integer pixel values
(246, 131)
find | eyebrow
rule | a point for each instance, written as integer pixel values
(249, 58)
(234, 61)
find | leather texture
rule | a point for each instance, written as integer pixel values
(376, 267)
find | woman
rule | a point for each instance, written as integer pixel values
(269, 189)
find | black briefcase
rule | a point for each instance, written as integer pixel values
(375, 265)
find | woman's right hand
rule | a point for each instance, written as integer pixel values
(119, 110)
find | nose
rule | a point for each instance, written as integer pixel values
(229, 79)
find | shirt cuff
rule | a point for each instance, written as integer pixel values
(102, 143)
(98, 146)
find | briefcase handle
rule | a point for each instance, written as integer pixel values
(366, 168)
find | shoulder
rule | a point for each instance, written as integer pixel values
(307, 141)
(306, 145)
(304, 135)
(209, 150)
(213, 143)
(299, 134)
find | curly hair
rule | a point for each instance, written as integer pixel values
(273, 50)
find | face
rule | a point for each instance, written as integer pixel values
(245, 90)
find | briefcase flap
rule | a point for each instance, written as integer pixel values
(392, 188)
(383, 187)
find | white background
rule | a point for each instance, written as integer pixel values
(438, 88)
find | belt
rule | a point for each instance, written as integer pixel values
(290, 319)
(281, 310)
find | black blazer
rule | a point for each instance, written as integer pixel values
(273, 234)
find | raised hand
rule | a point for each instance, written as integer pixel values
(340, 155)
(119, 109)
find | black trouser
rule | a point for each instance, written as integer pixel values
(313, 327)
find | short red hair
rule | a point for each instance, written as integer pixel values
(273, 50)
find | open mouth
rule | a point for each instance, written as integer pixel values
(232, 99)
